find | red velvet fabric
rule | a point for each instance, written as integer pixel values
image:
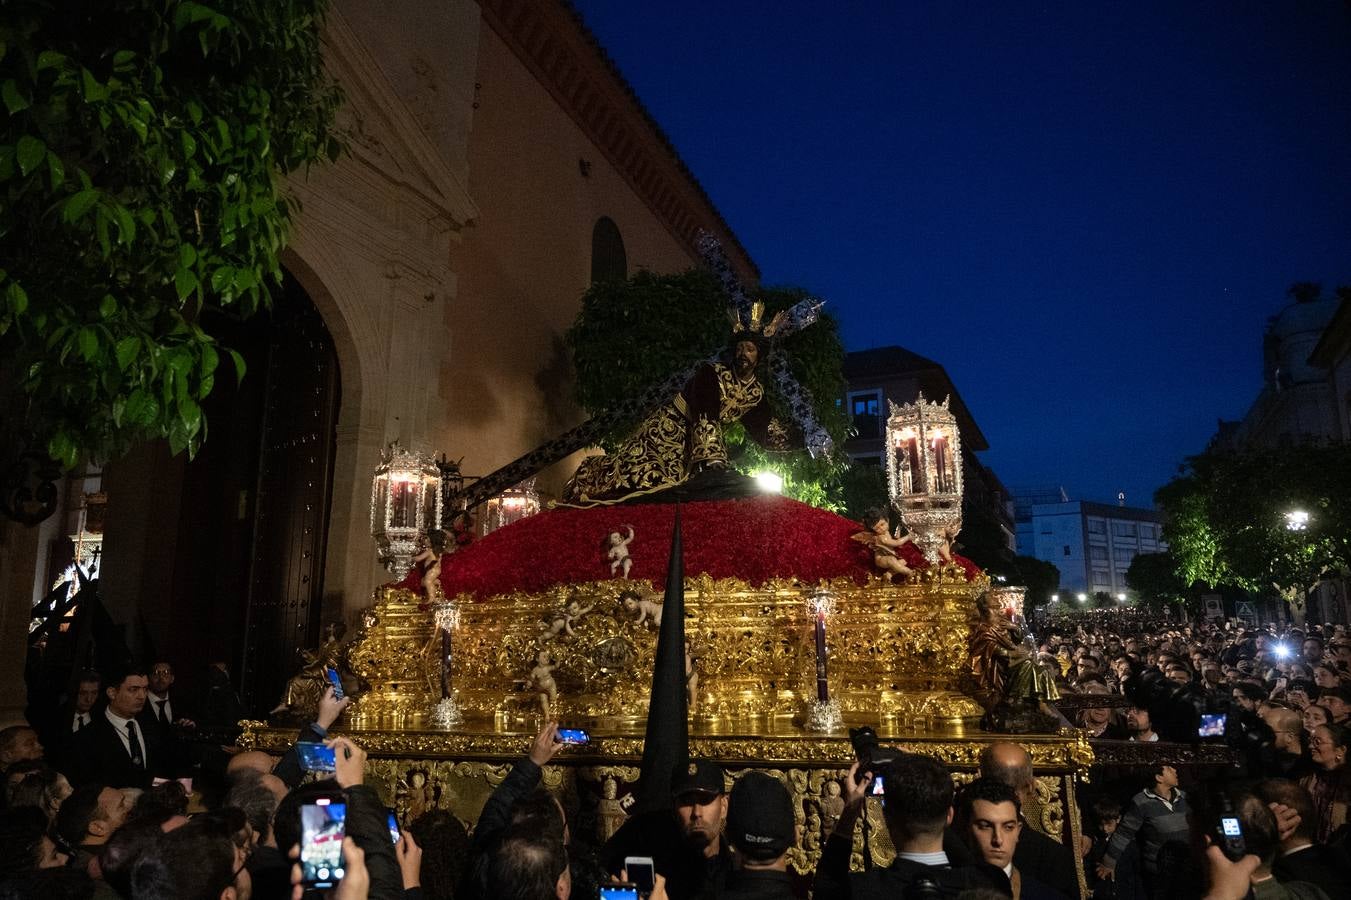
(754, 540)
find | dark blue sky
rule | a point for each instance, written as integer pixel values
(1085, 211)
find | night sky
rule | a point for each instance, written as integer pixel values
(1085, 211)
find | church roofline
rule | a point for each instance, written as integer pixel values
(551, 39)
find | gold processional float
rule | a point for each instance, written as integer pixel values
(799, 624)
(898, 657)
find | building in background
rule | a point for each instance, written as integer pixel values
(884, 375)
(1092, 544)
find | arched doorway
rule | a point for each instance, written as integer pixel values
(220, 559)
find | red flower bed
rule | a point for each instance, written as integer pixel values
(754, 540)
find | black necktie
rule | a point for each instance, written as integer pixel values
(136, 759)
(159, 711)
(79, 721)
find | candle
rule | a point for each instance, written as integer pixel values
(445, 664)
(822, 691)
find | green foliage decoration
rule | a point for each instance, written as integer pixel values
(632, 334)
(140, 167)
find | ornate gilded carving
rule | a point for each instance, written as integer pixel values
(899, 653)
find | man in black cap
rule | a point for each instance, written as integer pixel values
(760, 828)
(685, 840)
(701, 810)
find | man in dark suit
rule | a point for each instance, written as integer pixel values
(1037, 856)
(72, 718)
(160, 708)
(1301, 857)
(115, 749)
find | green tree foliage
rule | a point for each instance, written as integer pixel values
(1227, 521)
(1154, 579)
(140, 164)
(632, 334)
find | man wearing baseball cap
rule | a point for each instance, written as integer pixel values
(701, 809)
(760, 828)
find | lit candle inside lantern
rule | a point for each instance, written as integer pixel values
(940, 460)
(822, 690)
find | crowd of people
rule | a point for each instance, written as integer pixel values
(98, 802)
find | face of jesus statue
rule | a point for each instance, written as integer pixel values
(744, 358)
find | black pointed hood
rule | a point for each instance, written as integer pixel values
(667, 742)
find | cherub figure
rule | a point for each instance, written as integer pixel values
(616, 549)
(878, 537)
(612, 813)
(646, 609)
(564, 619)
(945, 548)
(542, 682)
(433, 546)
(691, 679)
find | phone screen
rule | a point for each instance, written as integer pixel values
(1212, 725)
(334, 680)
(876, 788)
(392, 818)
(316, 757)
(640, 872)
(323, 825)
(1230, 826)
(618, 892)
(573, 736)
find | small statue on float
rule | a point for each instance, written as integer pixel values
(564, 619)
(691, 678)
(433, 547)
(542, 683)
(616, 548)
(305, 688)
(644, 608)
(611, 811)
(879, 539)
(1012, 682)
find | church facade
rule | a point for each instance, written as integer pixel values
(497, 163)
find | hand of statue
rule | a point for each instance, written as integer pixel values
(330, 708)
(545, 745)
(351, 762)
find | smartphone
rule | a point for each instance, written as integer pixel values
(334, 680)
(1212, 725)
(323, 824)
(641, 872)
(876, 789)
(392, 819)
(618, 892)
(1229, 835)
(573, 736)
(316, 757)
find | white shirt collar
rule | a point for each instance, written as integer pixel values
(157, 698)
(937, 858)
(118, 722)
(1008, 870)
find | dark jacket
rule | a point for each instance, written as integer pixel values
(1317, 865)
(368, 827)
(688, 872)
(758, 885)
(834, 881)
(494, 819)
(98, 755)
(1046, 860)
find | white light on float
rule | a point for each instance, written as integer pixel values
(405, 504)
(769, 482)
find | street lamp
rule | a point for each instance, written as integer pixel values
(1297, 520)
(1081, 597)
(1055, 598)
(1120, 598)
